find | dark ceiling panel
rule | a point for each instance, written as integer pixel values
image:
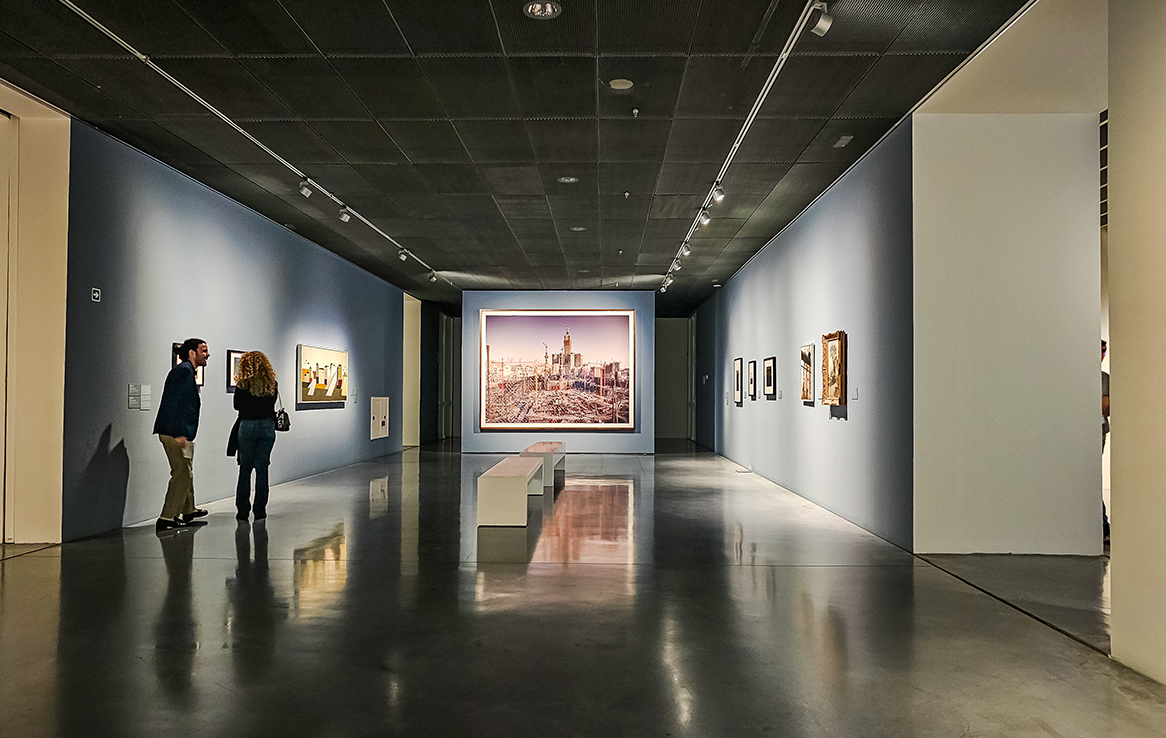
(586, 172)
(390, 88)
(526, 207)
(633, 140)
(154, 28)
(720, 227)
(752, 178)
(216, 138)
(573, 32)
(294, 141)
(862, 25)
(453, 178)
(736, 205)
(469, 207)
(10, 47)
(676, 206)
(815, 85)
(58, 86)
(896, 83)
(495, 140)
(348, 26)
(447, 26)
(655, 80)
(752, 25)
(778, 140)
(393, 178)
(688, 178)
(308, 86)
(472, 86)
(655, 26)
(563, 140)
(954, 25)
(227, 85)
(153, 140)
(249, 26)
(673, 228)
(724, 86)
(795, 191)
(555, 87)
(51, 28)
(513, 180)
(359, 141)
(420, 205)
(539, 229)
(634, 207)
(636, 178)
(135, 84)
(866, 131)
(585, 205)
(427, 140)
(707, 140)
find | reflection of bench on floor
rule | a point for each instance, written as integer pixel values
(502, 490)
(554, 456)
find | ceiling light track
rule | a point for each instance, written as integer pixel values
(717, 193)
(307, 184)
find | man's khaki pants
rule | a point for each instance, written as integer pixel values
(180, 492)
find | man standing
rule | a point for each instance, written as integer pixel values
(176, 426)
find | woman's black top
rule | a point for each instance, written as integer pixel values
(252, 407)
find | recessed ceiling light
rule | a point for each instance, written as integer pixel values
(584, 271)
(542, 10)
(578, 229)
(568, 180)
(621, 84)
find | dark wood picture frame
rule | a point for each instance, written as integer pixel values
(738, 369)
(752, 380)
(233, 357)
(769, 377)
(808, 374)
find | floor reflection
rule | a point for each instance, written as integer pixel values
(592, 523)
(175, 627)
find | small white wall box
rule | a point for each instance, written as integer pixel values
(379, 424)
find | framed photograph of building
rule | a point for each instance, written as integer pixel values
(769, 377)
(323, 375)
(176, 359)
(834, 368)
(808, 374)
(738, 381)
(752, 380)
(233, 358)
(560, 369)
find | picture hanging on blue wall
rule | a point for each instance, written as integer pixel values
(738, 370)
(752, 380)
(769, 377)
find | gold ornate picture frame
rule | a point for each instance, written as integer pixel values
(834, 368)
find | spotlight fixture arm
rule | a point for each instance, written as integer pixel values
(795, 35)
(304, 178)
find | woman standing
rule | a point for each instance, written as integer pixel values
(255, 391)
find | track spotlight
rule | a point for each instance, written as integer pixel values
(433, 276)
(676, 265)
(684, 250)
(667, 280)
(402, 254)
(718, 194)
(345, 216)
(824, 20)
(305, 190)
(664, 288)
(704, 217)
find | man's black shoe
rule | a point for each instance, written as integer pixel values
(168, 524)
(198, 513)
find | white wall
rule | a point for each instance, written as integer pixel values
(1137, 286)
(1006, 308)
(672, 377)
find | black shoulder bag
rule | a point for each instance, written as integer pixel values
(282, 421)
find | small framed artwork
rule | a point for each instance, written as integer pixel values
(769, 377)
(752, 380)
(738, 367)
(834, 368)
(198, 376)
(233, 358)
(808, 374)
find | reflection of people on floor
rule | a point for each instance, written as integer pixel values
(1104, 433)
(176, 630)
(253, 610)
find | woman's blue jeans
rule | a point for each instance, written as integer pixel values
(256, 439)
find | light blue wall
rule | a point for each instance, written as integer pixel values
(844, 264)
(641, 441)
(174, 259)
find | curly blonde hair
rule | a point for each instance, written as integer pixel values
(256, 374)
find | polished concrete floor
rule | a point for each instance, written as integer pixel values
(654, 595)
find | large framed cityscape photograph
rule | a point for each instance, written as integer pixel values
(560, 369)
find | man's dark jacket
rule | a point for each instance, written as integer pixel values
(180, 405)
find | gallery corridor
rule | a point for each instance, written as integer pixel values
(655, 595)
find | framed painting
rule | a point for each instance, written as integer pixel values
(752, 380)
(198, 373)
(834, 368)
(557, 369)
(769, 377)
(323, 375)
(738, 369)
(233, 357)
(808, 374)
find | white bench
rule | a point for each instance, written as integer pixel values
(502, 490)
(554, 456)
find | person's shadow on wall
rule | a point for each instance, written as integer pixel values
(97, 504)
